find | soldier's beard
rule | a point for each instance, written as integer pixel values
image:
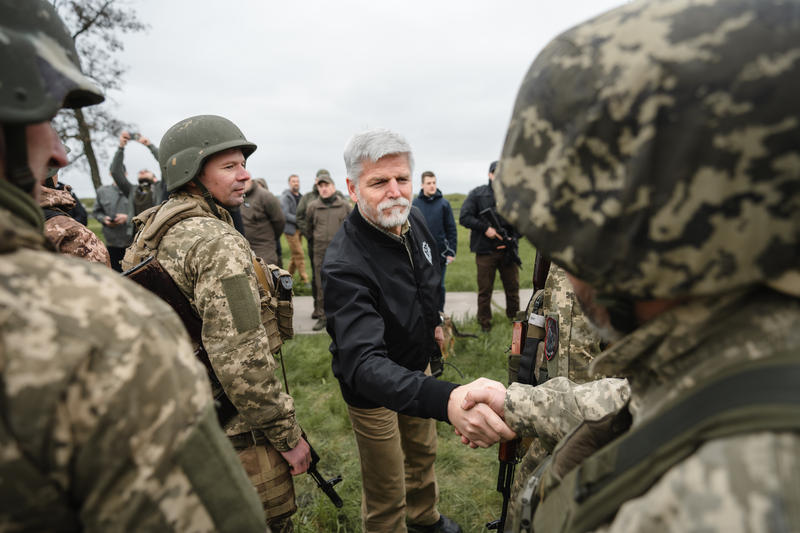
(392, 220)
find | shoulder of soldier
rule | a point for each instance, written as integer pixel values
(94, 313)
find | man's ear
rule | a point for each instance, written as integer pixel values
(351, 189)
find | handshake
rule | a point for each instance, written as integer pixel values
(476, 412)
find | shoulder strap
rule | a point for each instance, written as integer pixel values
(759, 396)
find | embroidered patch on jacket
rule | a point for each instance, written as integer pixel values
(427, 251)
(243, 305)
(550, 338)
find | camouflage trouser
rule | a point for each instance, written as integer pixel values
(269, 473)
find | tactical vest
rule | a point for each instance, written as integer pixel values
(276, 300)
(602, 464)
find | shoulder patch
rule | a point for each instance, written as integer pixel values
(244, 308)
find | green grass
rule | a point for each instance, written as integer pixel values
(467, 478)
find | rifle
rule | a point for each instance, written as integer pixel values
(525, 338)
(511, 247)
(325, 485)
(284, 285)
(152, 276)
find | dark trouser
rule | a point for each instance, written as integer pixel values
(313, 274)
(116, 253)
(441, 298)
(509, 275)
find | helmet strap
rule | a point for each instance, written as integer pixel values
(212, 204)
(18, 171)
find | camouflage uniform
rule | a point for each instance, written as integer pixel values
(108, 423)
(67, 235)
(212, 264)
(578, 343)
(655, 157)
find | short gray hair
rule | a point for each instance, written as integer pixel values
(371, 145)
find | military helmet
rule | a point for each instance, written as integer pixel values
(41, 72)
(654, 151)
(186, 145)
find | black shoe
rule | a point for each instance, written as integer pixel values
(316, 314)
(444, 525)
(320, 324)
(486, 329)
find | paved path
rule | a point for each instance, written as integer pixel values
(459, 305)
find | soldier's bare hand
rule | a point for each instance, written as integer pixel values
(144, 140)
(492, 233)
(299, 457)
(121, 218)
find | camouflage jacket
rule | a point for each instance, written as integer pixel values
(67, 235)
(212, 264)
(747, 482)
(578, 344)
(106, 418)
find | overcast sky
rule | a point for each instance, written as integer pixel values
(299, 78)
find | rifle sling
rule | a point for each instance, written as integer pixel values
(153, 277)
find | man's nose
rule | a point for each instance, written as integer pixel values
(393, 190)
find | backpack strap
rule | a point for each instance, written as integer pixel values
(756, 396)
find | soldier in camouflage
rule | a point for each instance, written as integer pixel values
(193, 237)
(654, 153)
(66, 234)
(106, 418)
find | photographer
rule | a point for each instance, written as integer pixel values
(147, 192)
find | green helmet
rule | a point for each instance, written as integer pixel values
(186, 145)
(39, 65)
(654, 151)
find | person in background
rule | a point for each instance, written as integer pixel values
(324, 217)
(263, 220)
(147, 192)
(441, 223)
(290, 198)
(490, 248)
(66, 234)
(111, 210)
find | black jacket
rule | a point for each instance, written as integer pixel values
(477, 200)
(439, 218)
(381, 315)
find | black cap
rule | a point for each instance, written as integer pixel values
(492, 167)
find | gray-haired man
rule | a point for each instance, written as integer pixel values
(381, 286)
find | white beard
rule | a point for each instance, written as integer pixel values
(396, 218)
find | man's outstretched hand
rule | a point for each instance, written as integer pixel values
(479, 426)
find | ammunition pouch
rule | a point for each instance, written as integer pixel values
(270, 474)
(275, 290)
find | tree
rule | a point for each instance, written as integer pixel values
(97, 27)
